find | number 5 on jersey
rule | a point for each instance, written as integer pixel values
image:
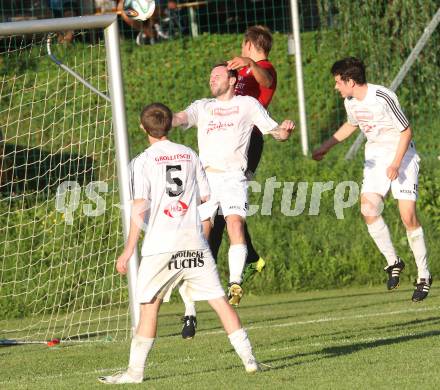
(174, 182)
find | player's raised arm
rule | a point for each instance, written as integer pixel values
(341, 134)
(188, 117)
(262, 119)
(262, 76)
(180, 119)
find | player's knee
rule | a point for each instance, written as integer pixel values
(371, 207)
(410, 221)
(218, 304)
(150, 307)
(369, 211)
(236, 228)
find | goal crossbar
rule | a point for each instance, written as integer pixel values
(54, 25)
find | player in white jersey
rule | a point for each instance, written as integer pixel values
(168, 180)
(391, 161)
(224, 126)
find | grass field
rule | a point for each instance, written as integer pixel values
(339, 339)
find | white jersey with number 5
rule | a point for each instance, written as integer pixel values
(381, 119)
(224, 128)
(171, 178)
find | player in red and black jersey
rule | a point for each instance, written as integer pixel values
(257, 78)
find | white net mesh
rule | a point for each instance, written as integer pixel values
(57, 254)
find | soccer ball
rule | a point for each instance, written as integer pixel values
(139, 9)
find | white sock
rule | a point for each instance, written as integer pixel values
(240, 341)
(140, 347)
(190, 306)
(237, 260)
(381, 235)
(416, 242)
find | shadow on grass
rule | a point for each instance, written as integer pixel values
(405, 325)
(344, 350)
(352, 348)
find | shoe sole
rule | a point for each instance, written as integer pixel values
(234, 301)
(102, 380)
(236, 295)
(418, 300)
(394, 288)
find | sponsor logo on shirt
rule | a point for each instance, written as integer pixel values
(186, 259)
(176, 209)
(368, 128)
(218, 126)
(219, 111)
(174, 157)
(363, 115)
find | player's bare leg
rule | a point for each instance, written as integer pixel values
(416, 240)
(236, 334)
(141, 344)
(236, 257)
(189, 319)
(371, 208)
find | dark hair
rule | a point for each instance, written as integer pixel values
(156, 119)
(350, 68)
(260, 37)
(231, 72)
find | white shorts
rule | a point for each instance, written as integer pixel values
(228, 195)
(405, 187)
(159, 274)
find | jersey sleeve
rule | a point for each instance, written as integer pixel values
(266, 65)
(260, 117)
(392, 107)
(202, 180)
(350, 117)
(139, 183)
(193, 113)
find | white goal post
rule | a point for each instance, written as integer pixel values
(89, 139)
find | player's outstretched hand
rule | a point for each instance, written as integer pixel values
(319, 153)
(122, 262)
(393, 172)
(239, 62)
(282, 132)
(288, 125)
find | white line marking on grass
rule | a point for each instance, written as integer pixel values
(266, 326)
(315, 321)
(331, 319)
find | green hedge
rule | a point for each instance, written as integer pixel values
(303, 252)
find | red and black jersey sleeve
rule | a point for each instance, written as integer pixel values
(247, 85)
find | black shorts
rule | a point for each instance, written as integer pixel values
(255, 152)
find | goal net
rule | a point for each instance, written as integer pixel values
(60, 227)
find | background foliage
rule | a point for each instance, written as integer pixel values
(305, 252)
